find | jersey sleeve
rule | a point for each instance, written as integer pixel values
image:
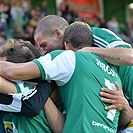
(34, 101)
(60, 68)
(11, 102)
(105, 38)
(23, 103)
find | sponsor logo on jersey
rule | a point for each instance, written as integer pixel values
(106, 68)
(130, 125)
(98, 124)
(8, 126)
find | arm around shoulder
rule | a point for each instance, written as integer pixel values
(116, 56)
(19, 70)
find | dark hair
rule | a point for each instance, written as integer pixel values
(79, 35)
(19, 51)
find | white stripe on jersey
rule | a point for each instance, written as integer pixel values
(25, 90)
(117, 43)
(104, 44)
(61, 68)
(112, 33)
(100, 42)
(29, 94)
(15, 106)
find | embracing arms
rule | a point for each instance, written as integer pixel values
(19, 71)
(119, 102)
(116, 56)
(27, 105)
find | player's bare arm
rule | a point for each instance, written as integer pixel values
(6, 86)
(21, 71)
(55, 118)
(117, 56)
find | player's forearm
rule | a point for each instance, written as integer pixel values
(117, 56)
(54, 116)
(6, 86)
(19, 71)
(126, 116)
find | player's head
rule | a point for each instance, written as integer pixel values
(19, 51)
(49, 33)
(78, 35)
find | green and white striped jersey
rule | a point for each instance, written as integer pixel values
(107, 39)
(80, 77)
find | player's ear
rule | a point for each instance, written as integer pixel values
(58, 34)
(68, 46)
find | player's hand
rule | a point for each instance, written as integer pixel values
(115, 98)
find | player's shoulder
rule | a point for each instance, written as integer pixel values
(61, 53)
(103, 31)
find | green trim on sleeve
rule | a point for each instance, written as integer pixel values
(40, 68)
(17, 87)
(30, 87)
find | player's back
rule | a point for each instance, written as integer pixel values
(81, 96)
